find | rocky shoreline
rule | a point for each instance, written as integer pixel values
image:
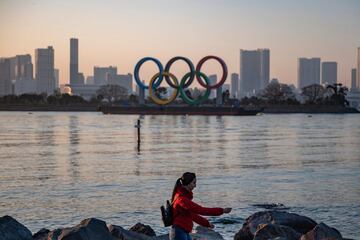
(264, 225)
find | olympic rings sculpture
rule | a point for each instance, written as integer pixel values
(186, 80)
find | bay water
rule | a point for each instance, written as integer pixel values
(57, 168)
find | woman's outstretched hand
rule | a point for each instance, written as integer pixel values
(227, 210)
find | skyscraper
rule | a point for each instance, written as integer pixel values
(44, 73)
(308, 72)
(358, 69)
(5, 80)
(212, 81)
(56, 75)
(103, 74)
(21, 67)
(264, 67)
(74, 62)
(21, 74)
(353, 79)
(254, 70)
(234, 85)
(329, 72)
(121, 80)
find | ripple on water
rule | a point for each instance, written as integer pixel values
(59, 168)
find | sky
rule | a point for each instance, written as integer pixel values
(121, 32)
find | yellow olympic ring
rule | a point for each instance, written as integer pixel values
(173, 95)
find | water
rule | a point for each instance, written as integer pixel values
(60, 168)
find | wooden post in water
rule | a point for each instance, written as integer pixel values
(138, 126)
(138, 130)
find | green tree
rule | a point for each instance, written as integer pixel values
(276, 93)
(313, 93)
(251, 101)
(338, 94)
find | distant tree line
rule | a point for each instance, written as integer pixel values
(274, 93)
(41, 99)
(107, 93)
(315, 94)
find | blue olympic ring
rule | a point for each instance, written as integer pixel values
(137, 70)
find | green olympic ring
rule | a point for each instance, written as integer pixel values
(199, 99)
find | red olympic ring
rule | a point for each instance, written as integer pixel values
(223, 78)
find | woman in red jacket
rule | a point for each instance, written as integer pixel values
(185, 211)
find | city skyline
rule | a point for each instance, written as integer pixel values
(119, 33)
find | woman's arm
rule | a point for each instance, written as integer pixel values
(200, 220)
(197, 209)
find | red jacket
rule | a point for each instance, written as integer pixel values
(185, 211)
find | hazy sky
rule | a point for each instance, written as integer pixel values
(120, 32)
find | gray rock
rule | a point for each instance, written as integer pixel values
(163, 237)
(205, 233)
(10, 229)
(321, 232)
(272, 206)
(53, 235)
(144, 229)
(123, 234)
(42, 234)
(199, 233)
(88, 229)
(271, 231)
(299, 223)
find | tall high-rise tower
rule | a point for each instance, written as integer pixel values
(212, 81)
(44, 70)
(308, 72)
(254, 70)
(5, 79)
(358, 69)
(21, 67)
(74, 62)
(353, 79)
(264, 67)
(103, 74)
(329, 72)
(234, 85)
(21, 72)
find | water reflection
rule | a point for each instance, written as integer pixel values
(45, 159)
(93, 168)
(74, 144)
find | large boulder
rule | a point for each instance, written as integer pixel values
(42, 234)
(271, 231)
(53, 235)
(299, 223)
(88, 229)
(321, 232)
(123, 234)
(205, 233)
(10, 229)
(199, 233)
(144, 229)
